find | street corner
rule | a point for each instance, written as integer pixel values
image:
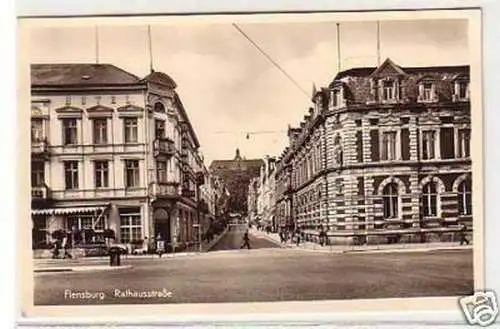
(83, 268)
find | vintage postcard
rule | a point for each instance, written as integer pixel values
(234, 164)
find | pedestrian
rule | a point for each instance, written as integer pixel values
(160, 245)
(282, 236)
(463, 235)
(297, 237)
(246, 241)
(65, 248)
(57, 248)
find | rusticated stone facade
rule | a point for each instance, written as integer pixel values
(383, 156)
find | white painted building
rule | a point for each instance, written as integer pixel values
(111, 150)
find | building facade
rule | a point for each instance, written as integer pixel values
(236, 175)
(111, 151)
(253, 195)
(266, 191)
(383, 156)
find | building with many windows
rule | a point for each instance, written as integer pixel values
(383, 156)
(266, 202)
(111, 150)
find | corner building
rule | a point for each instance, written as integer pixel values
(111, 150)
(383, 157)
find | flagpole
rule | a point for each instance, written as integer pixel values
(378, 43)
(150, 49)
(338, 48)
(97, 45)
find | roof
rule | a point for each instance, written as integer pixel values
(161, 78)
(367, 71)
(80, 74)
(251, 162)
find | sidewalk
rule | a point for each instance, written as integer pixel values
(399, 247)
(84, 261)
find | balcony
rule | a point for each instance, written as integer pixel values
(163, 146)
(39, 147)
(40, 192)
(169, 189)
(188, 193)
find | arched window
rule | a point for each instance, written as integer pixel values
(465, 198)
(429, 199)
(391, 200)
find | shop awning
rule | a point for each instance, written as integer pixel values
(68, 211)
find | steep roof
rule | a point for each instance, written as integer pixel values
(80, 74)
(367, 71)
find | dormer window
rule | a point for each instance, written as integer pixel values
(337, 96)
(461, 89)
(427, 87)
(388, 90)
(427, 91)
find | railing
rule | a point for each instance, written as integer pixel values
(39, 192)
(170, 189)
(39, 146)
(164, 146)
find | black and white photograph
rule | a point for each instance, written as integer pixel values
(252, 161)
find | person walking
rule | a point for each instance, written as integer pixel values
(65, 247)
(246, 241)
(297, 237)
(463, 235)
(160, 245)
(282, 236)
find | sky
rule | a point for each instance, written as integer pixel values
(229, 89)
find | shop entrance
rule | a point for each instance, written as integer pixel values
(162, 224)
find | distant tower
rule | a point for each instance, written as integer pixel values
(238, 156)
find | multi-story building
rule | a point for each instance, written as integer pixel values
(111, 150)
(385, 153)
(236, 175)
(266, 201)
(253, 194)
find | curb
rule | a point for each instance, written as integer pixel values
(81, 269)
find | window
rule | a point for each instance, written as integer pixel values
(37, 173)
(130, 227)
(388, 90)
(464, 198)
(429, 202)
(131, 173)
(101, 174)
(37, 130)
(428, 145)
(71, 174)
(161, 167)
(69, 132)
(113, 99)
(159, 129)
(462, 89)
(130, 130)
(68, 100)
(82, 222)
(391, 201)
(84, 100)
(336, 98)
(464, 143)
(100, 131)
(373, 122)
(388, 146)
(427, 91)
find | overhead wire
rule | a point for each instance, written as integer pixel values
(279, 67)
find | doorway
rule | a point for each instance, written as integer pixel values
(162, 224)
